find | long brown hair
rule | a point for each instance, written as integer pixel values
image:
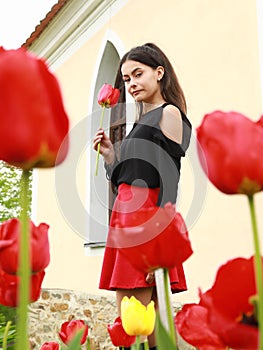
(152, 56)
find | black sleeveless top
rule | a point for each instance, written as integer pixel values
(149, 158)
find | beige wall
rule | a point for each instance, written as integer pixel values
(213, 47)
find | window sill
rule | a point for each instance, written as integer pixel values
(94, 248)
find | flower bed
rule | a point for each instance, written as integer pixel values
(56, 306)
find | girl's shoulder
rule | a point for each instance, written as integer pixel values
(171, 123)
(169, 110)
(173, 112)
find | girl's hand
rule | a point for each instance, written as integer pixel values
(150, 277)
(106, 146)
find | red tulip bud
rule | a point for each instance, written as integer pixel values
(10, 232)
(9, 286)
(230, 149)
(34, 124)
(50, 346)
(118, 335)
(69, 330)
(108, 96)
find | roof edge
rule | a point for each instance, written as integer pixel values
(44, 23)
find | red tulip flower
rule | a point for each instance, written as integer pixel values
(192, 324)
(50, 346)
(9, 285)
(118, 335)
(34, 124)
(228, 310)
(152, 238)
(107, 97)
(10, 232)
(69, 330)
(231, 152)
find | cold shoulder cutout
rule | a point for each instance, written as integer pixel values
(171, 123)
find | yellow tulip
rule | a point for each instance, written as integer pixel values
(137, 319)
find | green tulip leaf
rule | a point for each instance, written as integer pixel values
(75, 342)
(164, 341)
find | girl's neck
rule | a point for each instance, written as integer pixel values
(147, 107)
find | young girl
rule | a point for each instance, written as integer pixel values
(149, 164)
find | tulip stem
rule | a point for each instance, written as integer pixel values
(98, 149)
(138, 342)
(88, 343)
(258, 269)
(168, 306)
(24, 265)
(146, 345)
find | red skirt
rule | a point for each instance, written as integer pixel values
(117, 272)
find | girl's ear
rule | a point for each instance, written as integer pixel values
(160, 72)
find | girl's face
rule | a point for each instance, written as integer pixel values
(142, 81)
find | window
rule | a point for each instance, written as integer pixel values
(100, 195)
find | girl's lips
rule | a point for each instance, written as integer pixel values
(135, 93)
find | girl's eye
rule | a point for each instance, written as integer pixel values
(137, 75)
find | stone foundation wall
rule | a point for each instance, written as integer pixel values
(56, 306)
